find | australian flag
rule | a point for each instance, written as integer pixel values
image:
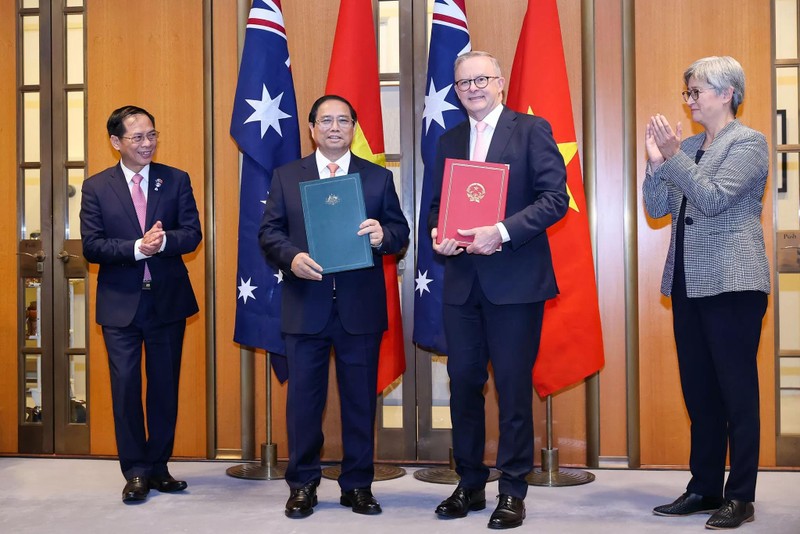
(449, 39)
(264, 125)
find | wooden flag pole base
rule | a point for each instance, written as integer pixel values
(550, 474)
(447, 475)
(269, 468)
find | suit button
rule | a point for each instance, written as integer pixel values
(689, 221)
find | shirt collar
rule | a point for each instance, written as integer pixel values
(322, 163)
(490, 119)
(144, 173)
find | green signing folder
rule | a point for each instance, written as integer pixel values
(333, 208)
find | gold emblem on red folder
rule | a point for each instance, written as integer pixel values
(476, 192)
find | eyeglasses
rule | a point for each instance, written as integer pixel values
(480, 82)
(326, 123)
(694, 93)
(138, 138)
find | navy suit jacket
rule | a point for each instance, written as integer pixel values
(360, 294)
(522, 272)
(109, 228)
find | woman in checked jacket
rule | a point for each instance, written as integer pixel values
(717, 274)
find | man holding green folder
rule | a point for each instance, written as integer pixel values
(344, 310)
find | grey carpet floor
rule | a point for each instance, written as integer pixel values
(83, 496)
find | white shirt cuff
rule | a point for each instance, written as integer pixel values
(503, 232)
(138, 254)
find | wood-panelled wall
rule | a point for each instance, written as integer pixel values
(8, 227)
(669, 39)
(160, 66)
(150, 53)
(609, 216)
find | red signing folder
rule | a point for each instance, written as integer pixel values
(473, 194)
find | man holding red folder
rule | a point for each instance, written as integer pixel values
(494, 299)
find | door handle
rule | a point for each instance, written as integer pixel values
(39, 256)
(65, 256)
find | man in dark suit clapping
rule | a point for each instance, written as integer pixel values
(137, 219)
(494, 300)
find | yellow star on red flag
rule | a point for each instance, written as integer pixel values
(568, 151)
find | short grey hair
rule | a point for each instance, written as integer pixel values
(720, 72)
(477, 53)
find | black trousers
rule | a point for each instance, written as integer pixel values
(507, 335)
(145, 453)
(308, 357)
(717, 339)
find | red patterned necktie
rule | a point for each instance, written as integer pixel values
(140, 204)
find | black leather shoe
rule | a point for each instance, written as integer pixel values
(302, 501)
(688, 504)
(461, 502)
(361, 501)
(166, 484)
(509, 513)
(731, 515)
(136, 490)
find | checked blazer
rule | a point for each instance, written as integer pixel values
(723, 242)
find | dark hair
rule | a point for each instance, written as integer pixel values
(312, 115)
(116, 122)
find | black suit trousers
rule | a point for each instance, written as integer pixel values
(308, 356)
(145, 453)
(479, 332)
(717, 339)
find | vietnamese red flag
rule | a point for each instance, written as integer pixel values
(572, 341)
(353, 74)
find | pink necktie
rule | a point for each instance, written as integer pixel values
(140, 204)
(481, 146)
(333, 168)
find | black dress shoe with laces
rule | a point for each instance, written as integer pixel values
(361, 501)
(509, 513)
(461, 502)
(688, 504)
(136, 490)
(731, 515)
(302, 501)
(166, 484)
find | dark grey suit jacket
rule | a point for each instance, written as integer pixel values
(537, 198)
(110, 227)
(361, 295)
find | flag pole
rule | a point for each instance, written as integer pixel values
(269, 468)
(550, 474)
